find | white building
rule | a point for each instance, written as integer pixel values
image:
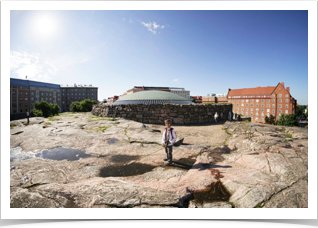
(181, 92)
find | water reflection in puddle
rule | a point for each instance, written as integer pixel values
(183, 163)
(112, 140)
(213, 193)
(123, 158)
(62, 153)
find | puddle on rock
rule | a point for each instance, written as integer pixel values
(62, 153)
(183, 163)
(17, 133)
(288, 146)
(112, 140)
(213, 193)
(217, 152)
(125, 170)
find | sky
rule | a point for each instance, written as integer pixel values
(202, 51)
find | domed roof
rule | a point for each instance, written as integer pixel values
(152, 97)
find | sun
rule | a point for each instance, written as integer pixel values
(45, 26)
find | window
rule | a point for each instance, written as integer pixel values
(273, 110)
(224, 99)
(242, 100)
(286, 111)
(273, 106)
(72, 94)
(32, 98)
(279, 111)
(280, 95)
(267, 114)
(63, 94)
(50, 94)
(273, 100)
(268, 100)
(268, 105)
(237, 109)
(14, 92)
(246, 113)
(26, 104)
(252, 105)
(58, 94)
(273, 95)
(252, 100)
(68, 94)
(246, 105)
(251, 113)
(262, 119)
(246, 109)
(32, 93)
(280, 106)
(26, 98)
(279, 115)
(242, 104)
(75, 89)
(257, 100)
(286, 106)
(257, 110)
(280, 100)
(26, 93)
(262, 100)
(242, 109)
(251, 117)
(268, 110)
(45, 94)
(92, 98)
(20, 87)
(262, 110)
(286, 100)
(262, 114)
(50, 98)
(21, 110)
(20, 93)
(251, 110)
(262, 105)
(256, 105)
(41, 98)
(46, 98)
(71, 89)
(256, 114)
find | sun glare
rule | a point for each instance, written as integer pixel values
(45, 26)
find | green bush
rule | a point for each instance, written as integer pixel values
(36, 113)
(288, 120)
(266, 119)
(75, 107)
(46, 108)
(83, 106)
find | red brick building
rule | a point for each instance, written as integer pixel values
(262, 101)
(112, 99)
(198, 99)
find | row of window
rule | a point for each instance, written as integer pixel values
(78, 89)
(34, 88)
(78, 94)
(32, 93)
(32, 98)
(268, 105)
(273, 95)
(257, 100)
(262, 110)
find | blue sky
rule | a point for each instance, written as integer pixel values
(201, 51)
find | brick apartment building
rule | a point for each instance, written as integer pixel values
(77, 92)
(112, 99)
(215, 98)
(24, 93)
(197, 99)
(262, 101)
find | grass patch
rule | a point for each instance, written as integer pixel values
(227, 132)
(76, 117)
(53, 119)
(283, 129)
(12, 125)
(103, 129)
(245, 121)
(111, 119)
(260, 205)
(289, 135)
(232, 204)
(47, 123)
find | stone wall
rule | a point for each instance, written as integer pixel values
(157, 113)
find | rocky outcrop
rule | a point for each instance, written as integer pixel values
(256, 166)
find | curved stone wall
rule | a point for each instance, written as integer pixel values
(157, 113)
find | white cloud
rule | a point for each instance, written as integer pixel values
(130, 21)
(153, 26)
(176, 80)
(25, 64)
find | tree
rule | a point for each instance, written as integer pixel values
(55, 109)
(87, 105)
(288, 120)
(36, 113)
(44, 106)
(193, 100)
(266, 119)
(272, 119)
(76, 107)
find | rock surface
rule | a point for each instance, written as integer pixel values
(259, 165)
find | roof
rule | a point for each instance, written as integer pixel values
(16, 81)
(252, 91)
(152, 97)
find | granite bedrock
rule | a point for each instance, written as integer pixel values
(157, 113)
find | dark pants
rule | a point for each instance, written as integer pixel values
(28, 119)
(169, 153)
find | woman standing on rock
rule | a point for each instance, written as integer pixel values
(216, 117)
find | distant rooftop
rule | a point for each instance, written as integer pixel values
(78, 85)
(16, 81)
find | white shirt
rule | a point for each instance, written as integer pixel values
(171, 137)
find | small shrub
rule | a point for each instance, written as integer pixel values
(36, 113)
(47, 123)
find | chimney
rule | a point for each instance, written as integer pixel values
(288, 89)
(283, 84)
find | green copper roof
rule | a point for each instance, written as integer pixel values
(152, 97)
